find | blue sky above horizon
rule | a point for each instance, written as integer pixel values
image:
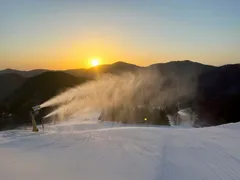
(62, 34)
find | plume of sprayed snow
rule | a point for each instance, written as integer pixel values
(146, 87)
(184, 117)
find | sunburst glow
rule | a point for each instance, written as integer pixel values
(95, 62)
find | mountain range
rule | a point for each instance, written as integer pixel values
(26, 74)
(216, 86)
(11, 79)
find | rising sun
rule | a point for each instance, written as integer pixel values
(95, 62)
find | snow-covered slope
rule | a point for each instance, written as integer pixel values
(104, 151)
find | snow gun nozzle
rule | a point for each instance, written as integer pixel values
(36, 108)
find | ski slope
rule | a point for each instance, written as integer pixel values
(104, 151)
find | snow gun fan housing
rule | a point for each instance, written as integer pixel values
(36, 109)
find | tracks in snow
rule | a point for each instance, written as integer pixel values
(128, 153)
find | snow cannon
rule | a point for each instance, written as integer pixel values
(34, 111)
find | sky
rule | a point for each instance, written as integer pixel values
(66, 34)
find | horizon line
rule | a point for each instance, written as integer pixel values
(112, 64)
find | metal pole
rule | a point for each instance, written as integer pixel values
(34, 125)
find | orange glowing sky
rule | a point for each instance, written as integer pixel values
(67, 34)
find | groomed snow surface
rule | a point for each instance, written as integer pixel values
(92, 150)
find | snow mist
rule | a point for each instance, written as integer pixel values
(145, 87)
